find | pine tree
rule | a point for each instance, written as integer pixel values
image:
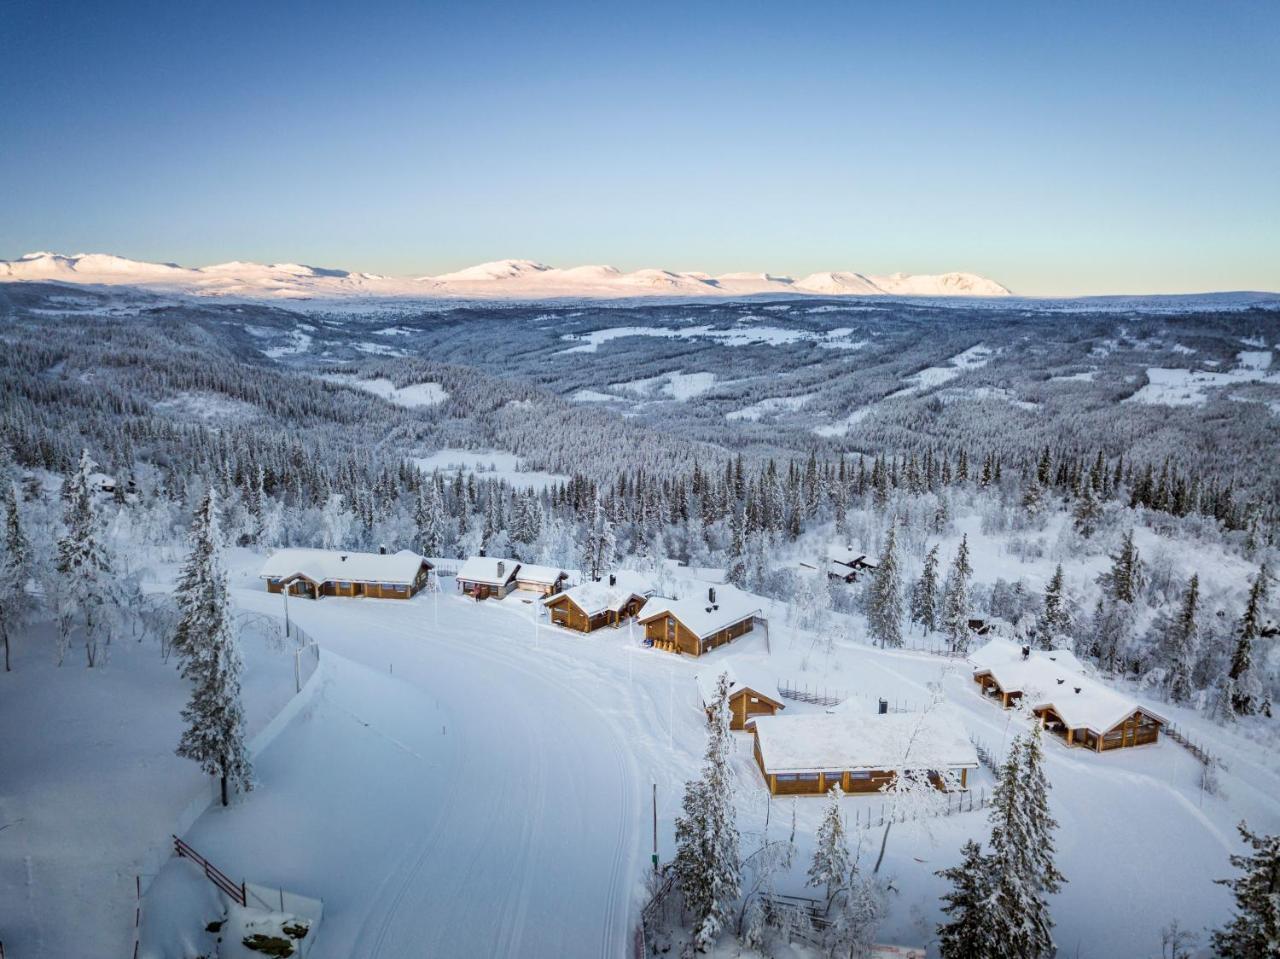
(1178, 644)
(831, 863)
(1056, 621)
(598, 548)
(1254, 931)
(707, 865)
(85, 587)
(955, 600)
(15, 571)
(214, 715)
(1022, 852)
(884, 609)
(1087, 511)
(970, 933)
(1246, 693)
(924, 595)
(1125, 580)
(429, 519)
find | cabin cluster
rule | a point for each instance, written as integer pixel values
(314, 573)
(808, 754)
(1069, 703)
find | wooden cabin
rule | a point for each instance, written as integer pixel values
(543, 580)
(697, 626)
(314, 573)
(807, 755)
(847, 564)
(1071, 704)
(751, 694)
(487, 577)
(610, 602)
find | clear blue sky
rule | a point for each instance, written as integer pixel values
(1059, 148)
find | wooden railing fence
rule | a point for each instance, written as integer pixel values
(234, 891)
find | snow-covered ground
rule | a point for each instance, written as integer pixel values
(414, 395)
(1190, 387)
(490, 464)
(464, 781)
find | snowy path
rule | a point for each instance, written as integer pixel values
(520, 839)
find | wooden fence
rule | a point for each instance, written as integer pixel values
(985, 755)
(1202, 754)
(823, 697)
(956, 803)
(234, 891)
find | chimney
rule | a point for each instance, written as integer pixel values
(1077, 690)
(502, 568)
(883, 708)
(344, 557)
(1026, 652)
(711, 595)
(382, 550)
(613, 580)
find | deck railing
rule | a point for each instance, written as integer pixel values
(234, 891)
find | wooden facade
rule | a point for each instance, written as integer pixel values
(541, 588)
(667, 632)
(1138, 728)
(818, 782)
(745, 704)
(565, 612)
(478, 590)
(302, 585)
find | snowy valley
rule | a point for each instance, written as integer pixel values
(604, 628)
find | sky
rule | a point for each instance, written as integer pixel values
(1081, 148)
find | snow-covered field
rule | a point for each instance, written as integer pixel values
(414, 395)
(1190, 387)
(491, 464)
(466, 781)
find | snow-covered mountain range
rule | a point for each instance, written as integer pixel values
(502, 279)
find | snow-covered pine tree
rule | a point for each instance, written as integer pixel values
(429, 520)
(1086, 512)
(598, 547)
(1254, 930)
(924, 594)
(708, 869)
(1056, 621)
(15, 571)
(884, 602)
(955, 600)
(1178, 644)
(969, 933)
(211, 661)
(1247, 693)
(1022, 853)
(1126, 577)
(84, 587)
(831, 862)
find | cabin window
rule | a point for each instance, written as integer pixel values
(860, 774)
(402, 589)
(787, 777)
(344, 585)
(807, 777)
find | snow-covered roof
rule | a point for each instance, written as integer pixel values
(699, 615)
(595, 598)
(542, 575)
(1051, 679)
(484, 569)
(820, 742)
(741, 676)
(845, 555)
(334, 565)
(836, 568)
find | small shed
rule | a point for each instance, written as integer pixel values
(486, 577)
(752, 692)
(697, 626)
(846, 564)
(810, 753)
(610, 602)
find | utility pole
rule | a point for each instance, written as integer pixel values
(284, 591)
(655, 827)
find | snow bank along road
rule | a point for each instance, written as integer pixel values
(512, 818)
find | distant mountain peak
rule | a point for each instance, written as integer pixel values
(498, 279)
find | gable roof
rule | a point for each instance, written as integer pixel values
(1051, 679)
(542, 575)
(330, 565)
(595, 598)
(702, 617)
(484, 569)
(822, 742)
(741, 676)
(846, 555)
